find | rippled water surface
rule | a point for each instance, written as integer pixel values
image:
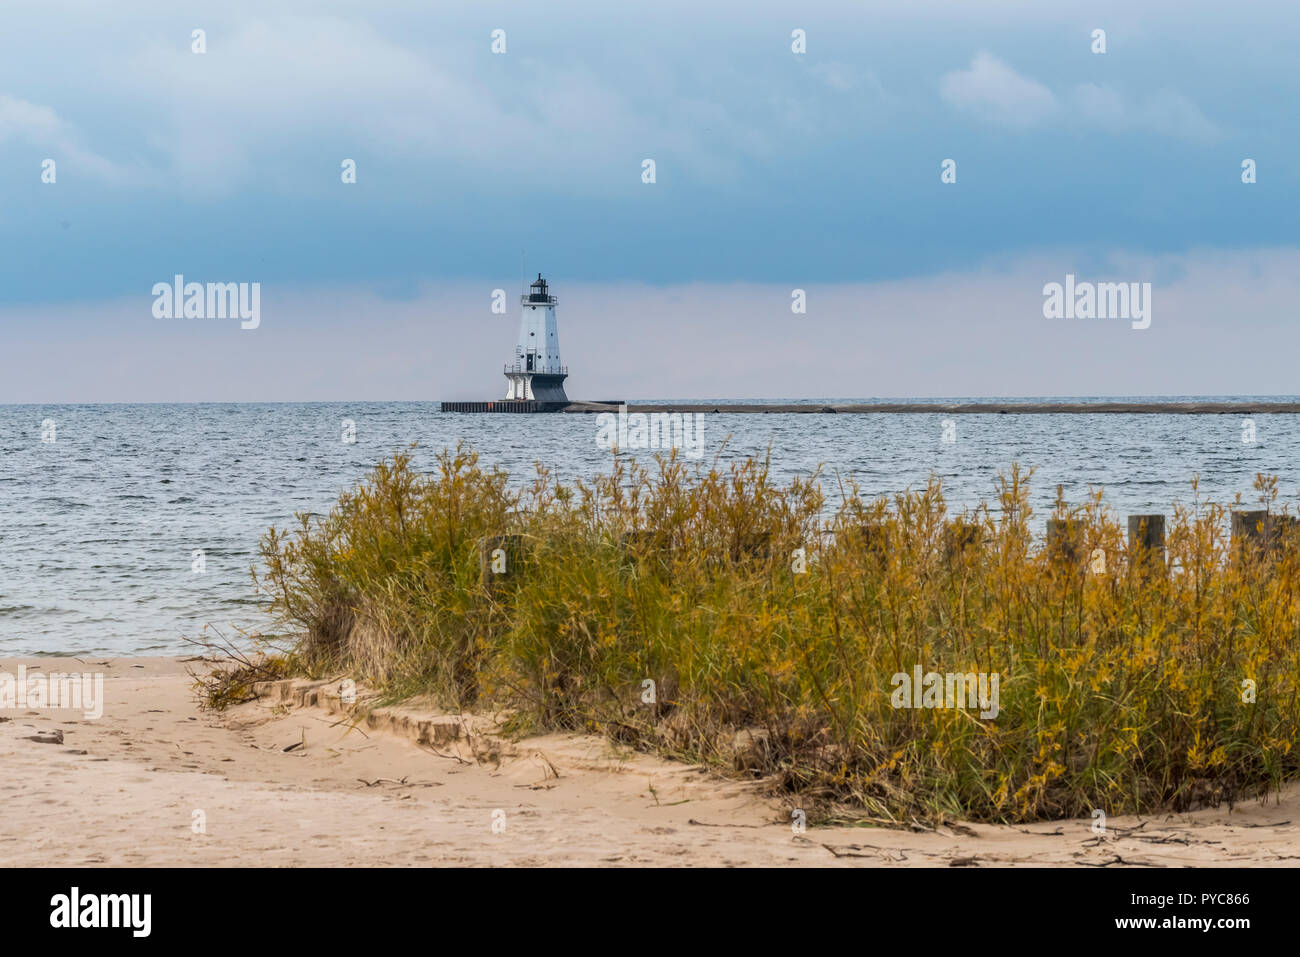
(98, 528)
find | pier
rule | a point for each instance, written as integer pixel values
(535, 383)
(912, 408)
(966, 408)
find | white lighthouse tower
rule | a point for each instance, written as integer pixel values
(536, 373)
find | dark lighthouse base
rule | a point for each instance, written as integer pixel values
(505, 405)
(539, 386)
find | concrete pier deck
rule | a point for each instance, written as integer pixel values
(970, 408)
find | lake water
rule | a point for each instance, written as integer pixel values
(98, 527)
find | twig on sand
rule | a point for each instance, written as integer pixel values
(450, 757)
(350, 721)
(1127, 830)
(886, 852)
(404, 783)
(709, 824)
(1115, 860)
(913, 825)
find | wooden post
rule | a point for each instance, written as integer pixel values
(1146, 539)
(872, 537)
(754, 545)
(1248, 533)
(1259, 532)
(499, 557)
(1061, 539)
(959, 536)
(1062, 534)
(1284, 530)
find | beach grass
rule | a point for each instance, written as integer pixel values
(712, 614)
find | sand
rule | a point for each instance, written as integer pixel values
(132, 787)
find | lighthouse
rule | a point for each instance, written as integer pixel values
(536, 374)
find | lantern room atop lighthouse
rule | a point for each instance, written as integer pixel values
(537, 292)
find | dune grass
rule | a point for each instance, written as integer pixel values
(1120, 688)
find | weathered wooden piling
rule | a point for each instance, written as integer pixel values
(1285, 528)
(1248, 529)
(960, 536)
(872, 537)
(1250, 534)
(1063, 540)
(638, 539)
(750, 546)
(499, 558)
(1146, 539)
(1259, 532)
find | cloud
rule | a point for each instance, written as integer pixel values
(39, 126)
(1165, 112)
(844, 77)
(993, 91)
(273, 86)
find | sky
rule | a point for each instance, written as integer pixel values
(775, 171)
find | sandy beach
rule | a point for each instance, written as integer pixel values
(156, 781)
